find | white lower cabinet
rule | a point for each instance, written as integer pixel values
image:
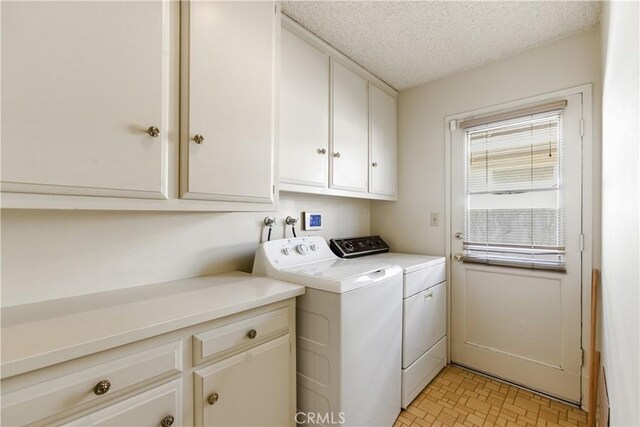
(160, 406)
(248, 389)
(241, 369)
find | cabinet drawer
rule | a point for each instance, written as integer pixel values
(160, 406)
(79, 389)
(239, 335)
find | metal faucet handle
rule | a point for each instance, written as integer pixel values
(270, 221)
(291, 220)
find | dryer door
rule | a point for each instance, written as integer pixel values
(425, 322)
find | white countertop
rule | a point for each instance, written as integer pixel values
(42, 334)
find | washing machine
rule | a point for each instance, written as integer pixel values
(348, 330)
(424, 308)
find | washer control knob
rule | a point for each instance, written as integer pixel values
(348, 246)
(313, 247)
(287, 251)
(302, 249)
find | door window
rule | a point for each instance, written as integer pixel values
(514, 194)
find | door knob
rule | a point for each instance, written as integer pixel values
(374, 164)
(167, 421)
(336, 155)
(458, 257)
(198, 139)
(322, 151)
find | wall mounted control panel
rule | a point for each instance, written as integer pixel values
(353, 247)
(312, 221)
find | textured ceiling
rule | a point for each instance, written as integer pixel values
(408, 43)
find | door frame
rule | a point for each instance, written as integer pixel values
(587, 207)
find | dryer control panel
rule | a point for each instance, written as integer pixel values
(353, 247)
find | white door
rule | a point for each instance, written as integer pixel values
(84, 84)
(304, 113)
(249, 389)
(228, 92)
(384, 145)
(518, 184)
(350, 138)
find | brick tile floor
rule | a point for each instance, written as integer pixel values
(458, 397)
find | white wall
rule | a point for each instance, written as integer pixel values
(565, 63)
(620, 210)
(53, 254)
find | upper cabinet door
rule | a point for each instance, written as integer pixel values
(304, 113)
(229, 71)
(84, 96)
(384, 157)
(350, 142)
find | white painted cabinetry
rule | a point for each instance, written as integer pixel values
(248, 389)
(304, 113)
(384, 157)
(350, 144)
(338, 122)
(84, 98)
(159, 407)
(235, 368)
(228, 91)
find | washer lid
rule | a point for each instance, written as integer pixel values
(339, 275)
(408, 262)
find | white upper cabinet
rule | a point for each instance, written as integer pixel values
(350, 136)
(228, 70)
(384, 157)
(304, 113)
(336, 121)
(84, 98)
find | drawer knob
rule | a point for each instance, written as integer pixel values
(102, 387)
(213, 398)
(322, 150)
(252, 334)
(153, 131)
(167, 421)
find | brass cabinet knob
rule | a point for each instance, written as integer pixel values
(213, 398)
(252, 334)
(374, 164)
(458, 257)
(336, 155)
(198, 139)
(322, 151)
(153, 131)
(167, 421)
(102, 387)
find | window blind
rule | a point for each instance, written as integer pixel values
(514, 212)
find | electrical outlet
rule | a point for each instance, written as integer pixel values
(435, 219)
